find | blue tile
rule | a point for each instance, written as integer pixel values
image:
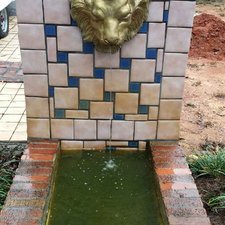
(51, 91)
(109, 97)
(144, 28)
(73, 22)
(59, 113)
(135, 87)
(73, 82)
(62, 57)
(151, 53)
(118, 116)
(158, 77)
(88, 47)
(165, 16)
(50, 30)
(99, 73)
(143, 109)
(125, 63)
(133, 144)
(84, 104)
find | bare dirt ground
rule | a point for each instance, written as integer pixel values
(203, 115)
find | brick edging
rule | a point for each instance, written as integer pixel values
(28, 195)
(179, 193)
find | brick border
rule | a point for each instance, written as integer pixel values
(27, 199)
(180, 195)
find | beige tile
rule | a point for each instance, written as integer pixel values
(51, 49)
(71, 145)
(153, 113)
(34, 61)
(156, 35)
(36, 85)
(136, 117)
(156, 10)
(178, 39)
(172, 87)
(175, 64)
(142, 70)
(135, 48)
(31, 8)
(85, 129)
(37, 107)
(78, 114)
(106, 60)
(150, 94)
(170, 109)
(69, 39)
(104, 129)
(100, 145)
(117, 80)
(66, 98)
(91, 89)
(81, 65)
(181, 13)
(57, 11)
(62, 129)
(145, 130)
(168, 130)
(57, 74)
(101, 110)
(126, 103)
(11, 118)
(7, 126)
(122, 130)
(38, 128)
(31, 36)
(51, 107)
(159, 64)
(117, 143)
(19, 136)
(142, 145)
(5, 135)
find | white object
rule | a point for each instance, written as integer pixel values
(5, 3)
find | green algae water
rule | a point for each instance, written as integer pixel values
(99, 188)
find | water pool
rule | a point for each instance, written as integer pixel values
(99, 188)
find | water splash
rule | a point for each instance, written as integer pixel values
(110, 165)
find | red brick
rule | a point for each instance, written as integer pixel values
(189, 221)
(37, 178)
(28, 186)
(34, 171)
(28, 194)
(48, 151)
(35, 157)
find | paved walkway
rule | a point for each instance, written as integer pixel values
(12, 99)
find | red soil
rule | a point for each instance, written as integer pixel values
(208, 37)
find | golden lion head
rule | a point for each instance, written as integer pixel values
(109, 23)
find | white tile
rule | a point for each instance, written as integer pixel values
(38, 128)
(156, 10)
(51, 49)
(156, 36)
(106, 60)
(57, 74)
(62, 128)
(122, 130)
(145, 130)
(85, 129)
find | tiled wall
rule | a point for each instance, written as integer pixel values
(72, 91)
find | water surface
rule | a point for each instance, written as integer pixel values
(94, 188)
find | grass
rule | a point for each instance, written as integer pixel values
(217, 203)
(9, 159)
(208, 163)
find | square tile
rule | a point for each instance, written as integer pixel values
(62, 129)
(145, 130)
(170, 109)
(150, 94)
(156, 11)
(37, 107)
(122, 130)
(107, 60)
(156, 36)
(126, 103)
(104, 129)
(81, 65)
(57, 74)
(143, 70)
(85, 129)
(69, 39)
(101, 110)
(153, 112)
(91, 89)
(168, 130)
(38, 128)
(66, 98)
(117, 80)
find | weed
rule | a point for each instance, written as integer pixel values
(208, 163)
(217, 202)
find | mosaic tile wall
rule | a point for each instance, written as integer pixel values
(86, 98)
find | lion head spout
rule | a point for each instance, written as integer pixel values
(109, 23)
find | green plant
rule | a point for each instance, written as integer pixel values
(216, 203)
(208, 163)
